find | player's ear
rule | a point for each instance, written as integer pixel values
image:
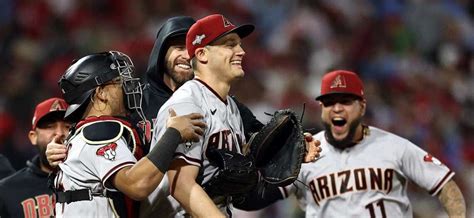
(100, 93)
(201, 54)
(33, 136)
(363, 106)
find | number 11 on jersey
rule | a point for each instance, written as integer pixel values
(371, 208)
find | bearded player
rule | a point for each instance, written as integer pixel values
(363, 171)
(365, 168)
(26, 193)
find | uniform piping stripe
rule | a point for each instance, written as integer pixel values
(115, 169)
(189, 160)
(284, 192)
(212, 90)
(111, 204)
(435, 190)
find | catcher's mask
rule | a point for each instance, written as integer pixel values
(84, 75)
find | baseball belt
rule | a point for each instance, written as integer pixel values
(77, 195)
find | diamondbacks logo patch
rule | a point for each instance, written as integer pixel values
(55, 106)
(107, 151)
(226, 22)
(338, 82)
(430, 158)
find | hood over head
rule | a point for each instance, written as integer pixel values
(175, 26)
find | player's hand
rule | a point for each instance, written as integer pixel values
(56, 151)
(190, 126)
(313, 148)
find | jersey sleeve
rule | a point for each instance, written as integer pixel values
(298, 188)
(424, 169)
(189, 152)
(107, 159)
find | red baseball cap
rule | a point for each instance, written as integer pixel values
(47, 107)
(210, 28)
(341, 82)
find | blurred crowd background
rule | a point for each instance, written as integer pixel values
(416, 58)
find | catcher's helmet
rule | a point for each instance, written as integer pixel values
(84, 75)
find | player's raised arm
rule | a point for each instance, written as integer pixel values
(139, 180)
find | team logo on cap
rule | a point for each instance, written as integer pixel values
(226, 22)
(338, 82)
(55, 106)
(198, 39)
(108, 151)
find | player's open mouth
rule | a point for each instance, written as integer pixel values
(338, 121)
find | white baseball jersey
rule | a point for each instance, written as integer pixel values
(224, 131)
(367, 180)
(89, 166)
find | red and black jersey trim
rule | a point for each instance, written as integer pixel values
(441, 183)
(190, 160)
(212, 90)
(112, 171)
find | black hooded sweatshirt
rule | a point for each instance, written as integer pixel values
(26, 193)
(6, 168)
(156, 92)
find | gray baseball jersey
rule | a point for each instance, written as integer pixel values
(367, 180)
(224, 129)
(89, 165)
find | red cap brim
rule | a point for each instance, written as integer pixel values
(242, 30)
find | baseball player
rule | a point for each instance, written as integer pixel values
(26, 193)
(214, 44)
(100, 161)
(168, 68)
(363, 171)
